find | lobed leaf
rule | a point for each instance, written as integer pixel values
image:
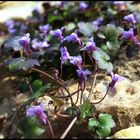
(87, 28)
(21, 63)
(106, 120)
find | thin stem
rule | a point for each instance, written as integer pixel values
(82, 92)
(65, 96)
(94, 81)
(103, 97)
(93, 85)
(77, 94)
(91, 59)
(30, 87)
(68, 128)
(50, 127)
(58, 82)
(81, 96)
(61, 69)
(59, 114)
(21, 53)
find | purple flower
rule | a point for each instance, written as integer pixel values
(73, 37)
(115, 78)
(25, 41)
(98, 21)
(136, 41)
(58, 33)
(83, 6)
(10, 26)
(39, 44)
(76, 60)
(82, 74)
(90, 46)
(128, 34)
(10, 23)
(37, 111)
(64, 54)
(45, 28)
(130, 18)
(120, 4)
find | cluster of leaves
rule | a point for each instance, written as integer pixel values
(100, 124)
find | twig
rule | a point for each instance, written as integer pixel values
(58, 82)
(93, 85)
(68, 128)
(102, 98)
(50, 127)
(94, 81)
(30, 87)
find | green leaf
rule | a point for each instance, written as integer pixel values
(40, 90)
(102, 59)
(72, 111)
(87, 28)
(21, 63)
(29, 129)
(111, 32)
(70, 26)
(86, 109)
(92, 124)
(37, 84)
(12, 42)
(114, 45)
(101, 35)
(103, 132)
(106, 120)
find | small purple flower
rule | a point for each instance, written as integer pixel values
(25, 41)
(73, 37)
(64, 54)
(45, 28)
(39, 44)
(115, 78)
(76, 60)
(90, 46)
(120, 4)
(83, 6)
(136, 41)
(10, 23)
(37, 111)
(128, 34)
(130, 18)
(58, 33)
(82, 74)
(98, 21)
(10, 26)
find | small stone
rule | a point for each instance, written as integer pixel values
(131, 132)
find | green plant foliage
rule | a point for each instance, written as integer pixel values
(73, 111)
(102, 59)
(106, 120)
(87, 28)
(86, 109)
(37, 84)
(92, 124)
(21, 63)
(41, 89)
(110, 34)
(12, 42)
(29, 129)
(102, 126)
(103, 131)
